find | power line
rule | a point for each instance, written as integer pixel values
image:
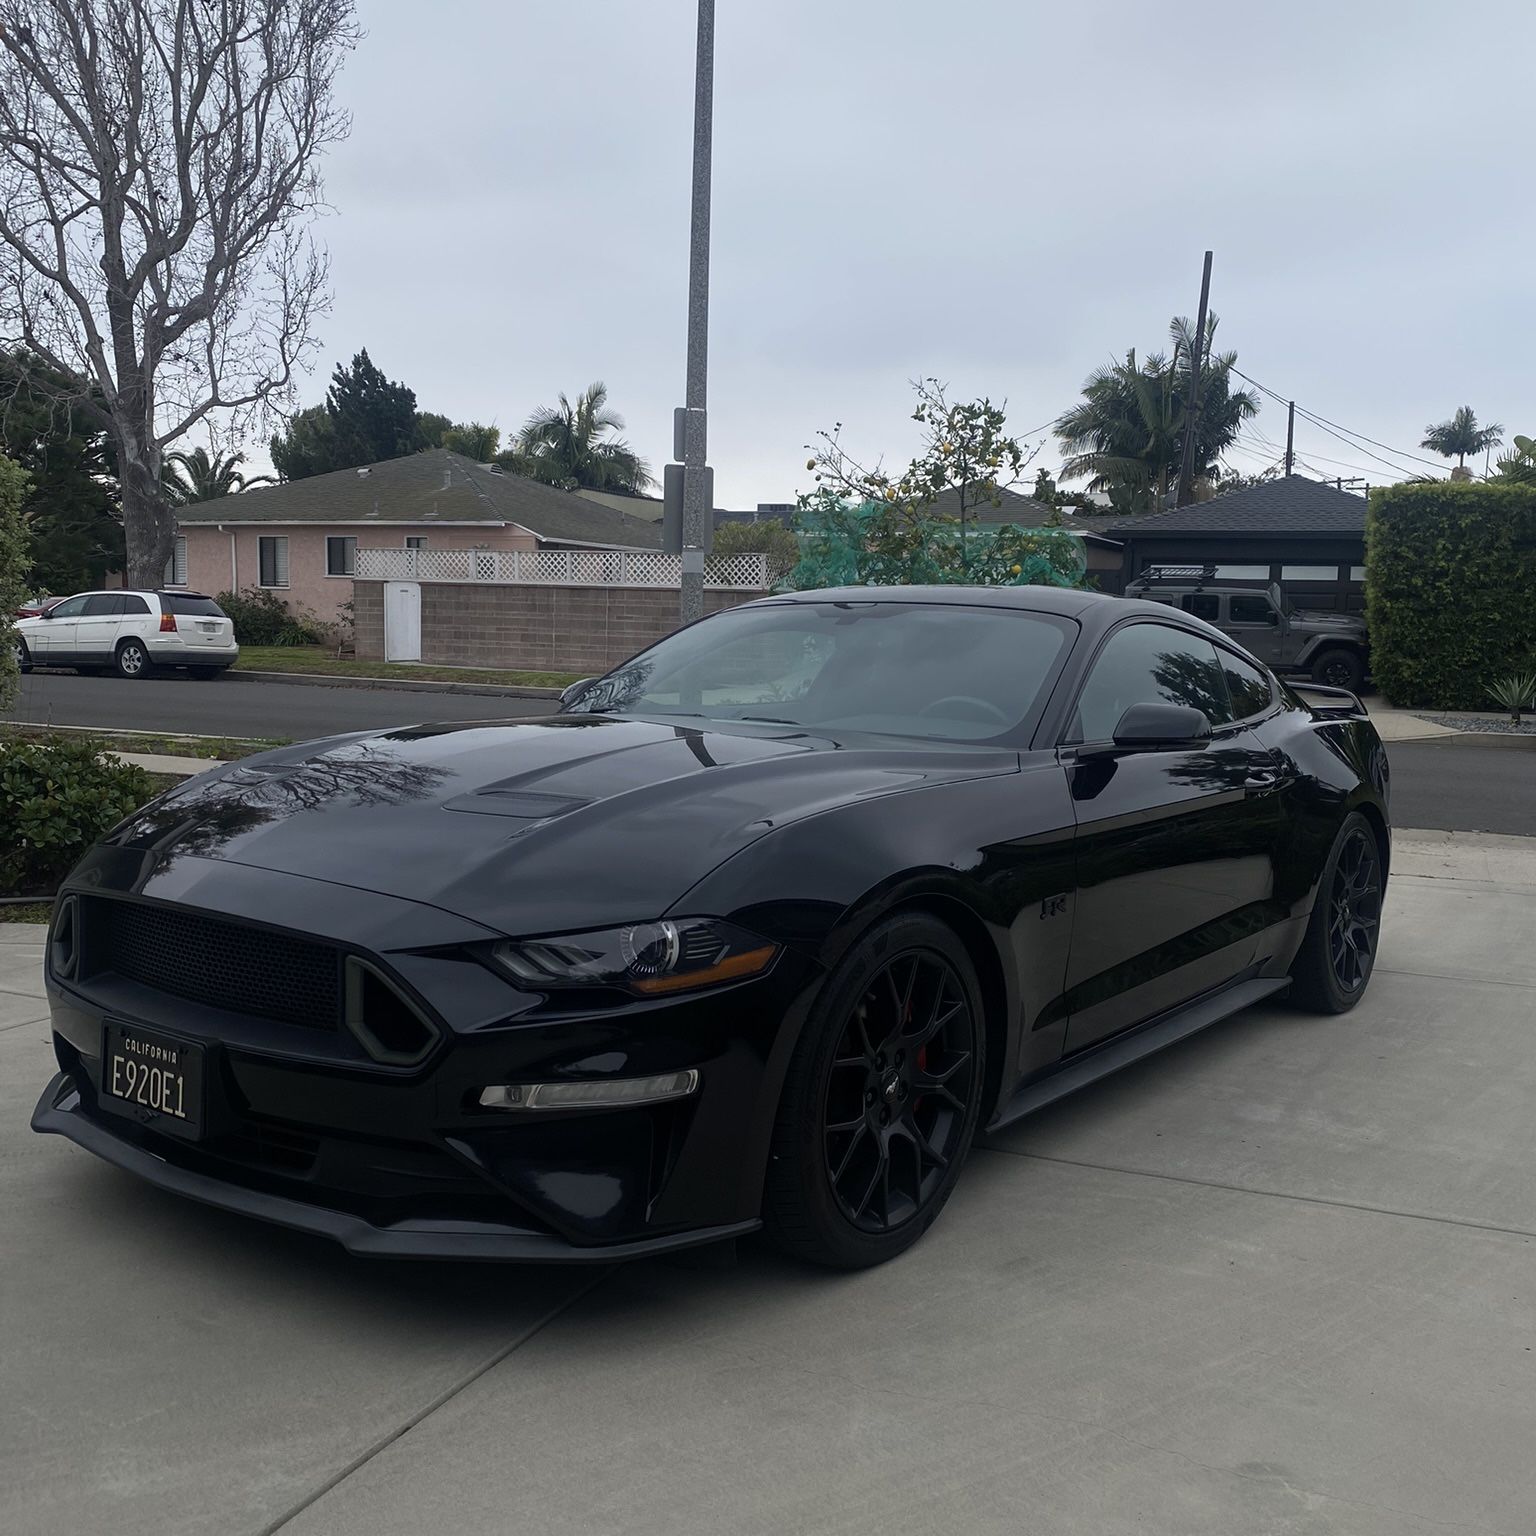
(1335, 430)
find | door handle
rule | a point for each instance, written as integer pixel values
(1266, 781)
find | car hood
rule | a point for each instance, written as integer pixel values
(530, 826)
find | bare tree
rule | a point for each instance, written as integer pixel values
(157, 178)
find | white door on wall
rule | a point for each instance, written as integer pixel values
(402, 621)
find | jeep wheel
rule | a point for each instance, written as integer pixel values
(1339, 668)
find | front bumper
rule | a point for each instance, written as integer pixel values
(303, 1130)
(59, 1113)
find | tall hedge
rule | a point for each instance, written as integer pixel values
(14, 565)
(1450, 590)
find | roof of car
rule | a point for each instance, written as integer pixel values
(1063, 600)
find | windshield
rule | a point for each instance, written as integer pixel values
(940, 672)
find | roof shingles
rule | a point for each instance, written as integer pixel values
(427, 488)
(1293, 504)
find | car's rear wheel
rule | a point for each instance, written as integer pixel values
(23, 655)
(881, 1100)
(132, 660)
(1333, 967)
(1339, 668)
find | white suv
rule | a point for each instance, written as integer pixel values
(131, 632)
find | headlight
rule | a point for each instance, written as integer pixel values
(648, 958)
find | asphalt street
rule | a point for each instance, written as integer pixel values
(230, 706)
(1461, 784)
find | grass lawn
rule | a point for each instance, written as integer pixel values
(31, 912)
(315, 658)
(222, 748)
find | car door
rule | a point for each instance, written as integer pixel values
(54, 637)
(96, 628)
(1255, 623)
(1175, 849)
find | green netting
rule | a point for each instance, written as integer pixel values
(871, 545)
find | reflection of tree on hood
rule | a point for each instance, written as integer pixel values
(206, 815)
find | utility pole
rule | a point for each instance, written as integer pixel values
(697, 509)
(1290, 437)
(1187, 464)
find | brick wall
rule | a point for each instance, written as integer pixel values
(534, 628)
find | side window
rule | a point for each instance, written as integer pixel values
(1252, 610)
(1248, 687)
(1149, 664)
(1204, 605)
(132, 603)
(103, 605)
(71, 609)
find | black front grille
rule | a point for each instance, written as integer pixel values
(221, 964)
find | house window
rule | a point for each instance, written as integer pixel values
(1309, 573)
(340, 555)
(1357, 573)
(273, 560)
(416, 541)
(1242, 573)
(176, 566)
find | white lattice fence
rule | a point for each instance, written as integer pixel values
(559, 567)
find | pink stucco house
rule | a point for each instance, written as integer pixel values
(300, 539)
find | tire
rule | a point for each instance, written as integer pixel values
(204, 674)
(854, 1100)
(1339, 668)
(1333, 967)
(132, 660)
(23, 656)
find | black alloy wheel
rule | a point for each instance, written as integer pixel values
(898, 1092)
(1333, 966)
(1339, 668)
(1354, 917)
(881, 1099)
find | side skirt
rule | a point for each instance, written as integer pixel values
(1145, 1040)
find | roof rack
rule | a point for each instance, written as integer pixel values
(1197, 573)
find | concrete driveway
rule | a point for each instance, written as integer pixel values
(1281, 1279)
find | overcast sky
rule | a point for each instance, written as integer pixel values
(1001, 194)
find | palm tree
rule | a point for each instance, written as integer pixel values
(568, 445)
(1127, 433)
(1461, 435)
(192, 477)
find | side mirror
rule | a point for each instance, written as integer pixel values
(1274, 618)
(569, 695)
(1157, 728)
(47, 613)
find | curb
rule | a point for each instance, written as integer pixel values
(410, 685)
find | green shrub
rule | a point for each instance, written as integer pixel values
(261, 617)
(1450, 589)
(56, 798)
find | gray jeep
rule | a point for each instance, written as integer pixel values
(1331, 648)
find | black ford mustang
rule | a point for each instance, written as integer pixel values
(757, 931)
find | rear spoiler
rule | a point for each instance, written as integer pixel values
(1330, 703)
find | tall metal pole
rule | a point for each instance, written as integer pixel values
(1290, 437)
(697, 510)
(1192, 416)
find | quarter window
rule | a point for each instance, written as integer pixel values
(1248, 687)
(340, 555)
(133, 603)
(1149, 664)
(272, 556)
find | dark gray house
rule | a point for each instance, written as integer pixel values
(1305, 534)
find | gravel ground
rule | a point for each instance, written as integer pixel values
(1484, 725)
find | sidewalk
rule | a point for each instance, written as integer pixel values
(156, 762)
(1400, 725)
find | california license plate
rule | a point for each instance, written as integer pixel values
(155, 1079)
(208, 628)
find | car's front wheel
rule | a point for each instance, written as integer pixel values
(881, 1099)
(23, 655)
(1333, 966)
(132, 660)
